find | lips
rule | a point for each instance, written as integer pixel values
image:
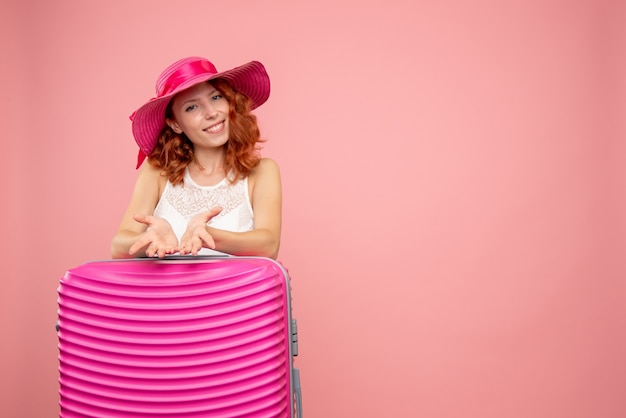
(215, 128)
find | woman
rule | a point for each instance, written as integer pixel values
(203, 186)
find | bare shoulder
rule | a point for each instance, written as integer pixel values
(267, 164)
(267, 173)
(266, 168)
(150, 179)
(150, 171)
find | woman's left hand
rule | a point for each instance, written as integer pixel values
(197, 236)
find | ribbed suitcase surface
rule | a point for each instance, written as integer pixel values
(171, 338)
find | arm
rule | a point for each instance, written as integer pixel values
(264, 239)
(266, 197)
(133, 236)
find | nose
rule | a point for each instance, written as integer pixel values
(210, 111)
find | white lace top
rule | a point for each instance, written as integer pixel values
(180, 203)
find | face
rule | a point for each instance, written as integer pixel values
(201, 113)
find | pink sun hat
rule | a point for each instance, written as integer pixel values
(250, 79)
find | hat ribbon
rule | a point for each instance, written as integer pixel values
(185, 72)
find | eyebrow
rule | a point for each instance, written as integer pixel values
(195, 98)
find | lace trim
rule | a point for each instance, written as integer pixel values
(189, 200)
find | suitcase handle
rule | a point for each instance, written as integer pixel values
(297, 392)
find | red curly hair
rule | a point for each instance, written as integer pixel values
(174, 152)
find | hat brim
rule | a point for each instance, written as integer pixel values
(250, 79)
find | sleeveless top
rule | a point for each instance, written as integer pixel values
(178, 204)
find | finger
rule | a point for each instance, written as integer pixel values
(207, 239)
(183, 249)
(208, 215)
(194, 245)
(156, 249)
(210, 242)
(203, 237)
(139, 244)
(213, 212)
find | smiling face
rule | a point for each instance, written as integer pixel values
(201, 113)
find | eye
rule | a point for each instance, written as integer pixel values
(217, 97)
(190, 108)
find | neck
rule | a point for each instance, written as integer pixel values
(209, 161)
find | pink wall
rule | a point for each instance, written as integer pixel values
(454, 190)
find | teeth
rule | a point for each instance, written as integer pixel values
(215, 128)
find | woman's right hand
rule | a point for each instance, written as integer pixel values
(159, 239)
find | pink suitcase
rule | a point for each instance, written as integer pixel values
(179, 337)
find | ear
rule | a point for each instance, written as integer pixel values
(174, 126)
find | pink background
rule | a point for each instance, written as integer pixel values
(454, 179)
